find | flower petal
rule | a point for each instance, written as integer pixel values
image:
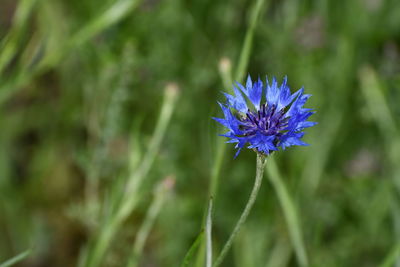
(253, 91)
(237, 102)
(297, 105)
(292, 139)
(272, 92)
(230, 121)
(263, 143)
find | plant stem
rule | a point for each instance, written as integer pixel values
(208, 235)
(257, 184)
(289, 212)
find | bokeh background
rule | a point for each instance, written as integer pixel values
(82, 87)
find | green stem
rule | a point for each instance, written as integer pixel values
(221, 147)
(289, 212)
(254, 192)
(208, 235)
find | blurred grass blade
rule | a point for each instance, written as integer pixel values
(391, 258)
(381, 113)
(248, 41)
(170, 97)
(280, 254)
(189, 255)
(113, 110)
(116, 12)
(225, 72)
(217, 164)
(112, 15)
(9, 44)
(312, 172)
(208, 234)
(289, 212)
(376, 102)
(16, 259)
(131, 194)
(160, 194)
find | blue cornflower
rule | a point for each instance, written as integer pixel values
(266, 125)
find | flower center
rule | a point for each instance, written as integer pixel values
(268, 121)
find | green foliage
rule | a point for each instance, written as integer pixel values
(82, 87)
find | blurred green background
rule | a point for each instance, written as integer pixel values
(82, 87)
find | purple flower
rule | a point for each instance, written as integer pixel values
(265, 123)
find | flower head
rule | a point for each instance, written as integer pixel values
(265, 123)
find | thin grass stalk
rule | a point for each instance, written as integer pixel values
(16, 259)
(9, 44)
(130, 197)
(208, 234)
(190, 253)
(136, 178)
(117, 11)
(113, 112)
(253, 196)
(248, 41)
(280, 253)
(289, 211)
(225, 71)
(159, 199)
